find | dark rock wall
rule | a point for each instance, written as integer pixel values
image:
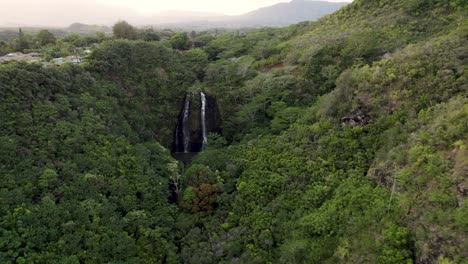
(213, 123)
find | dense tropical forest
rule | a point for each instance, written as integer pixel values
(343, 140)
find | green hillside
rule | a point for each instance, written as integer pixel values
(343, 141)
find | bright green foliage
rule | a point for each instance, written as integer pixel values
(327, 190)
(426, 176)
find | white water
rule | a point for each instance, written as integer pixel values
(185, 124)
(203, 117)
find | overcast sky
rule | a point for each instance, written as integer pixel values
(231, 7)
(64, 12)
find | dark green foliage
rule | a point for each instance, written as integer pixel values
(197, 60)
(23, 41)
(123, 30)
(45, 37)
(149, 35)
(202, 40)
(321, 71)
(180, 41)
(4, 49)
(72, 187)
(151, 81)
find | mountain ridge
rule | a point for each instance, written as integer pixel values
(277, 15)
(281, 14)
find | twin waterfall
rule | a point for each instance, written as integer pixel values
(203, 117)
(185, 120)
(198, 117)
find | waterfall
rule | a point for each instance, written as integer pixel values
(203, 117)
(176, 138)
(185, 124)
(194, 123)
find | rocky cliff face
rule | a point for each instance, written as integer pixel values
(188, 135)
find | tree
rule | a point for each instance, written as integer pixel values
(180, 41)
(100, 36)
(174, 175)
(124, 30)
(23, 42)
(45, 37)
(197, 60)
(150, 35)
(202, 40)
(3, 48)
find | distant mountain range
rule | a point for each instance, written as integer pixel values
(85, 28)
(282, 14)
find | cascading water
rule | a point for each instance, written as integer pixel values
(199, 115)
(203, 117)
(185, 124)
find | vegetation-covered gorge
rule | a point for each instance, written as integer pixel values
(76, 185)
(343, 141)
(324, 172)
(152, 80)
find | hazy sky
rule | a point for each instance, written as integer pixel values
(64, 12)
(230, 7)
